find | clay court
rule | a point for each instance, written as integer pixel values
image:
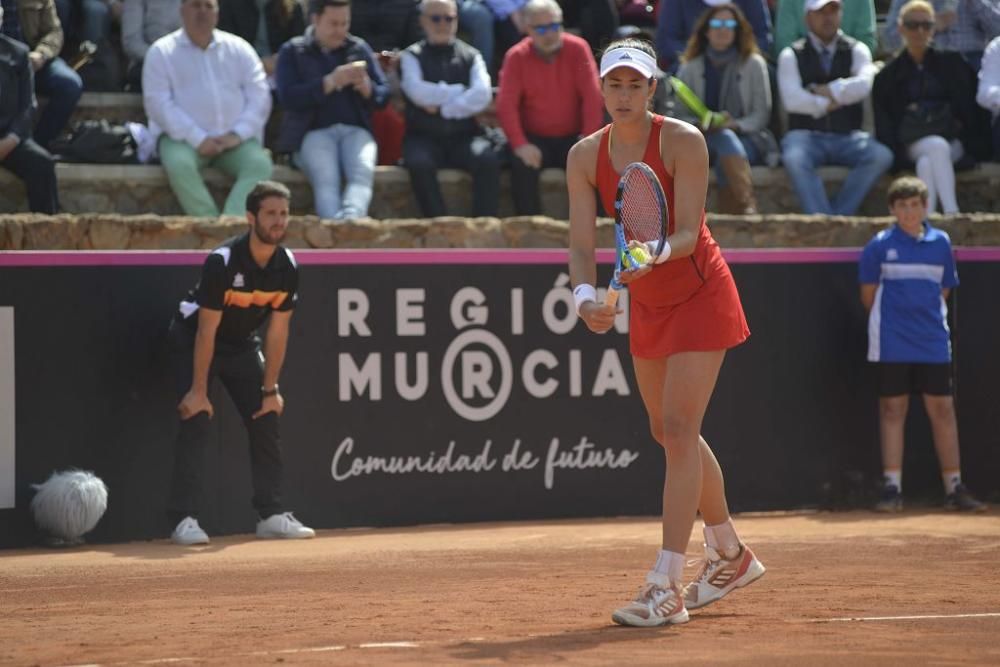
(841, 589)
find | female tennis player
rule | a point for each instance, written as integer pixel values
(684, 314)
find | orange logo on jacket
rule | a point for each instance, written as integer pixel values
(254, 298)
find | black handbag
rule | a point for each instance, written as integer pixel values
(921, 120)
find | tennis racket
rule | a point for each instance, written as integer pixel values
(640, 215)
(706, 117)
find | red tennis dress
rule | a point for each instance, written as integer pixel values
(683, 305)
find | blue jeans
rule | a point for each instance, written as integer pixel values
(335, 153)
(723, 143)
(476, 20)
(805, 150)
(62, 86)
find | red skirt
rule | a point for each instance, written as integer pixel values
(710, 319)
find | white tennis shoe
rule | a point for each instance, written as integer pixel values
(719, 576)
(283, 526)
(188, 532)
(658, 603)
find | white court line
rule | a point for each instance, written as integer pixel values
(904, 618)
(389, 645)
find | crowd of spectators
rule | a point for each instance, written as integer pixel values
(335, 87)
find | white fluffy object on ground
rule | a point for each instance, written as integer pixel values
(69, 504)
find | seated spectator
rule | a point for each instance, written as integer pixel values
(265, 27)
(596, 19)
(91, 21)
(36, 25)
(328, 83)
(386, 25)
(965, 26)
(823, 79)
(677, 20)
(988, 93)
(858, 22)
(925, 108)
(144, 22)
(549, 95)
(18, 152)
(475, 20)
(723, 67)
(446, 84)
(205, 90)
(508, 24)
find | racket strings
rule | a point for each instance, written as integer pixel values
(640, 209)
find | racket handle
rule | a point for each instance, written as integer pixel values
(611, 299)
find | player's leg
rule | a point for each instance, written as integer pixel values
(935, 386)
(675, 391)
(728, 563)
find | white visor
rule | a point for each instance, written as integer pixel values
(641, 62)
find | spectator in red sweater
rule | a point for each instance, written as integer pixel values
(549, 96)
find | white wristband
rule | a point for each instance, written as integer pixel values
(583, 293)
(664, 254)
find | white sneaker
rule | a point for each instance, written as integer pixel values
(719, 576)
(283, 526)
(188, 532)
(658, 603)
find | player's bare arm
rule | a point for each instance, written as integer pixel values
(580, 181)
(685, 156)
(196, 400)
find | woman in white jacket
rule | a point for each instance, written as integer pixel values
(724, 68)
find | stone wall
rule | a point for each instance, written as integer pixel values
(150, 232)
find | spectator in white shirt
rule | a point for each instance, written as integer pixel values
(205, 90)
(446, 83)
(988, 93)
(823, 79)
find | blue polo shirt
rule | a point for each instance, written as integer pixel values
(909, 318)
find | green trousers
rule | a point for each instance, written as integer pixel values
(248, 163)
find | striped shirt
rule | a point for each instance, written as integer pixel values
(908, 319)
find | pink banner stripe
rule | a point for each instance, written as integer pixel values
(352, 257)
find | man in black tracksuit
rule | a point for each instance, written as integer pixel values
(214, 334)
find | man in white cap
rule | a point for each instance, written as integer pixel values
(858, 22)
(823, 78)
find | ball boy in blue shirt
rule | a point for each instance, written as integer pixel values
(906, 273)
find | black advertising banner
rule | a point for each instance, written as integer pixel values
(448, 386)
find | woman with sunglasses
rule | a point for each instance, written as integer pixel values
(925, 108)
(723, 67)
(684, 313)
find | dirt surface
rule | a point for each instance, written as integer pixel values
(526, 593)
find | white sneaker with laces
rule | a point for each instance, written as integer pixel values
(719, 576)
(188, 532)
(283, 526)
(659, 602)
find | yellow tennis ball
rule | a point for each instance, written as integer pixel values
(639, 254)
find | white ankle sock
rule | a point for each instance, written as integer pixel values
(671, 564)
(723, 538)
(893, 478)
(952, 478)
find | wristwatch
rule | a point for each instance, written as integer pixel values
(265, 392)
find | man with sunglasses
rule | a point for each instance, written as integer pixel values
(549, 97)
(823, 79)
(446, 84)
(965, 26)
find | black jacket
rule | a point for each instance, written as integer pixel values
(241, 17)
(17, 96)
(301, 68)
(891, 95)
